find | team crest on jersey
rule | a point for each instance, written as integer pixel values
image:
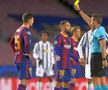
(28, 33)
(55, 42)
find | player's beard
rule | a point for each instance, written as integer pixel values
(67, 32)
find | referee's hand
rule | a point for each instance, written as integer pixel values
(104, 63)
(77, 8)
(57, 58)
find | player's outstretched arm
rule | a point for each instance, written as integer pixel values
(85, 17)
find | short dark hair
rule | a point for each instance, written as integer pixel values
(44, 32)
(74, 28)
(98, 18)
(26, 17)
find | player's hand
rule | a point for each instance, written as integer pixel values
(82, 61)
(57, 58)
(71, 59)
(107, 51)
(77, 7)
(104, 63)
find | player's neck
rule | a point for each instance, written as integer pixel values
(75, 38)
(44, 41)
(65, 34)
(25, 25)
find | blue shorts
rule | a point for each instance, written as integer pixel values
(77, 71)
(24, 68)
(63, 75)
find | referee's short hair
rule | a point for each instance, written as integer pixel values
(26, 17)
(98, 18)
(44, 32)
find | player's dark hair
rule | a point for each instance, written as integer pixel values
(44, 32)
(98, 18)
(74, 28)
(26, 17)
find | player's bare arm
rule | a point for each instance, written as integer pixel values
(86, 18)
(103, 46)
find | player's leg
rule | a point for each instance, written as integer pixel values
(88, 76)
(90, 84)
(65, 85)
(58, 85)
(39, 75)
(66, 79)
(104, 83)
(96, 70)
(24, 72)
(58, 82)
(51, 83)
(39, 83)
(50, 75)
(75, 75)
(22, 84)
(97, 83)
(73, 83)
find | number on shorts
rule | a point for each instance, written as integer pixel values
(62, 73)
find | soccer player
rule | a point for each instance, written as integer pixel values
(62, 47)
(97, 50)
(44, 54)
(21, 44)
(85, 55)
(76, 68)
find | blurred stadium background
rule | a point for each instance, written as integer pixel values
(48, 14)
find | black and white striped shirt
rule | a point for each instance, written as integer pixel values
(45, 52)
(85, 42)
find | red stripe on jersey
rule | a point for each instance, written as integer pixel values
(25, 41)
(64, 53)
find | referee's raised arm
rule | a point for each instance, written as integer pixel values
(85, 17)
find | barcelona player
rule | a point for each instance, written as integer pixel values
(21, 44)
(76, 68)
(62, 47)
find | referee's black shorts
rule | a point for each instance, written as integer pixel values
(97, 69)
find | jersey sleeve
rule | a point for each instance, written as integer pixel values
(35, 51)
(101, 34)
(81, 45)
(57, 45)
(52, 53)
(107, 37)
(27, 41)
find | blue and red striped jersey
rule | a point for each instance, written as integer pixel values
(74, 50)
(62, 48)
(21, 43)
